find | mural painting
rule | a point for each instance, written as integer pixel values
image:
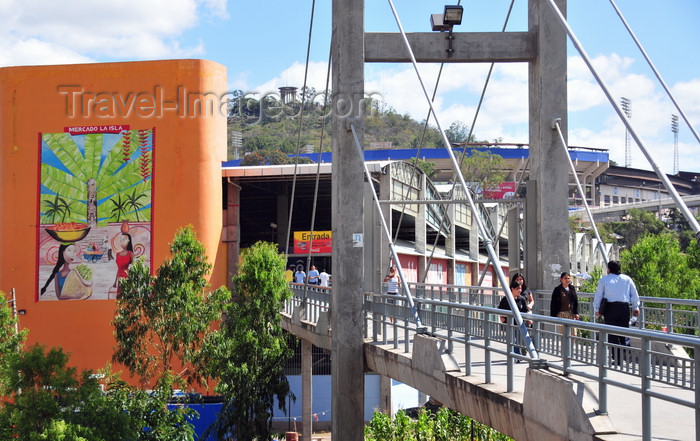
(94, 210)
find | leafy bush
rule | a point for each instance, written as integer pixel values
(443, 425)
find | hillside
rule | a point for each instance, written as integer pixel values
(278, 128)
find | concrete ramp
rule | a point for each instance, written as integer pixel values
(552, 407)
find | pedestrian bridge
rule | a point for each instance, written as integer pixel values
(463, 356)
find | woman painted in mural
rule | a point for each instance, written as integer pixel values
(123, 258)
(66, 256)
(70, 283)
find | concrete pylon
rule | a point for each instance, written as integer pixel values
(347, 366)
(547, 216)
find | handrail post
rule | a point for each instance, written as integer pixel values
(467, 347)
(510, 347)
(644, 371)
(487, 349)
(602, 374)
(566, 348)
(697, 399)
(450, 321)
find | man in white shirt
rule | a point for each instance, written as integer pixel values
(619, 291)
(324, 277)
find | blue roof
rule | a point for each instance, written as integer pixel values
(588, 155)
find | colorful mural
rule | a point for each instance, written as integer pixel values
(94, 209)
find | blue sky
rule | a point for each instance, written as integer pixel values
(263, 44)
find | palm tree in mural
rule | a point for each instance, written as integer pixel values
(119, 208)
(132, 201)
(56, 208)
(95, 173)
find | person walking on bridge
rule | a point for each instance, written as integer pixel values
(299, 276)
(392, 282)
(516, 289)
(324, 277)
(618, 291)
(527, 292)
(313, 276)
(564, 303)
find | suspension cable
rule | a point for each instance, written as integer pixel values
(394, 254)
(469, 136)
(471, 132)
(415, 164)
(482, 229)
(656, 72)
(301, 115)
(500, 230)
(662, 176)
(318, 172)
(557, 126)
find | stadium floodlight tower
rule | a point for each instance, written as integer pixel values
(674, 129)
(627, 107)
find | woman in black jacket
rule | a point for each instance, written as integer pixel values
(564, 302)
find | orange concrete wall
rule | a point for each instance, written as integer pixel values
(188, 148)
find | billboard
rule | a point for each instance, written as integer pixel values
(504, 190)
(322, 242)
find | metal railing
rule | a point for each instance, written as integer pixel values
(314, 299)
(466, 318)
(680, 316)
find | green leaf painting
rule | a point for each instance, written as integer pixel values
(69, 162)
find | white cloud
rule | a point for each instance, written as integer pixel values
(593, 121)
(39, 32)
(34, 52)
(688, 96)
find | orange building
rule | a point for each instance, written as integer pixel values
(102, 164)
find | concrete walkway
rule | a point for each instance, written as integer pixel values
(669, 421)
(623, 422)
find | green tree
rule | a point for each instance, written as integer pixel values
(11, 341)
(484, 168)
(637, 223)
(58, 403)
(248, 354)
(659, 269)
(160, 321)
(591, 284)
(693, 254)
(426, 167)
(458, 132)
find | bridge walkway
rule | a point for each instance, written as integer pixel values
(559, 396)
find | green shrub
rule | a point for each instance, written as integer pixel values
(443, 425)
